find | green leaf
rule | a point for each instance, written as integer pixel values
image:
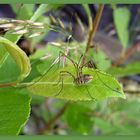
(78, 118)
(34, 71)
(9, 71)
(130, 69)
(19, 57)
(41, 66)
(103, 125)
(40, 10)
(50, 50)
(101, 86)
(3, 55)
(129, 107)
(88, 12)
(20, 10)
(14, 111)
(101, 60)
(14, 38)
(121, 20)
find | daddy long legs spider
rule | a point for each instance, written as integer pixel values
(79, 78)
(83, 79)
(74, 82)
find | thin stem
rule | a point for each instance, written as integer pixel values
(8, 84)
(56, 117)
(93, 30)
(127, 54)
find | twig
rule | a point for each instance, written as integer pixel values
(52, 120)
(8, 84)
(93, 30)
(127, 54)
(134, 92)
(48, 108)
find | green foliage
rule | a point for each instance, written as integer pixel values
(129, 69)
(101, 60)
(78, 118)
(123, 118)
(88, 12)
(22, 9)
(98, 117)
(41, 10)
(14, 111)
(121, 20)
(39, 67)
(19, 57)
(98, 88)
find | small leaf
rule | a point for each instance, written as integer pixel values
(88, 13)
(77, 115)
(121, 19)
(3, 55)
(101, 60)
(19, 56)
(40, 10)
(22, 9)
(14, 111)
(96, 89)
(13, 37)
(130, 69)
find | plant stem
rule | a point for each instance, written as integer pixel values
(52, 120)
(127, 54)
(8, 84)
(93, 30)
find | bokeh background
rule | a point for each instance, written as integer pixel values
(113, 116)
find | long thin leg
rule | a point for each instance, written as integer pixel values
(57, 60)
(62, 73)
(106, 84)
(75, 64)
(52, 65)
(89, 93)
(61, 86)
(89, 64)
(80, 59)
(92, 65)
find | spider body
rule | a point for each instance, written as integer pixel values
(79, 78)
(82, 79)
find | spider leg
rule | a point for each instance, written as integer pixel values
(73, 62)
(61, 86)
(106, 84)
(89, 93)
(93, 66)
(62, 73)
(80, 60)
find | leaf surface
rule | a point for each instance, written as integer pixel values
(14, 111)
(102, 86)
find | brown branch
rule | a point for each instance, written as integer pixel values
(93, 30)
(8, 84)
(132, 92)
(52, 120)
(127, 54)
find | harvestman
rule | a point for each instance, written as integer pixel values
(27, 26)
(80, 78)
